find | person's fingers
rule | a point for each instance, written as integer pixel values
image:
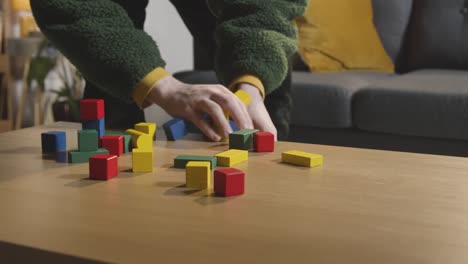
(217, 115)
(234, 107)
(262, 121)
(204, 126)
(246, 112)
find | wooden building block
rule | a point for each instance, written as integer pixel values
(232, 157)
(142, 160)
(98, 125)
(242, 139)
(103, 167)
(114, 144)
(198, 174)
(140, 140)
(181, 161)
(91, 109)
(264, 142)
(53, 141)
(175, 129)
(126, 138)
(301, 158)
(76, 156)
(229, 182)
(244, 96)
(88, 140)
(148, 128)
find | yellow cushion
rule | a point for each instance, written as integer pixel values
(339, 35)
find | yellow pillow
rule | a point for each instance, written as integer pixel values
(339, 35)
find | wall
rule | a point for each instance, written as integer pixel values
(175, 43)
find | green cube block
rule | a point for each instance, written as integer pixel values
(181, 161)
(76, 156)
(242, 139)
(88, 140)
(127, 139)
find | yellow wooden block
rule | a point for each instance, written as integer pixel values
(140, 140)
(198, 174)
(243, 96)
(142, 160)
(148, 128)
(301, 158)
(232, 157)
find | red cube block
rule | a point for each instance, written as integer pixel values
(264, 142)
(103, 167)
(114, 144)
(91, 109)
(229, 182)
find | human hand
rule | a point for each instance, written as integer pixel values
(190, 102)
(257, 110)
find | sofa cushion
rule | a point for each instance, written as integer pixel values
(391, 19)
(437, 35)
(324, 99)
(428, 103)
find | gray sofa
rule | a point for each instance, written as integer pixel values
(422, 108)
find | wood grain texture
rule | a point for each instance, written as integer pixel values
(362, 206)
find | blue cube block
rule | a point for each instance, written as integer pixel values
(175, 129)
(53, 141)
(98, 125)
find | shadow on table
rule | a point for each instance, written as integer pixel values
(13, 253)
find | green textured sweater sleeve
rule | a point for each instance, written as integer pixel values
(255, 37)
(100, 39)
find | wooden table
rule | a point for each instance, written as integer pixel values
(362, 206)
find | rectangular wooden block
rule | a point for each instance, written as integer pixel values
(181, 161)
(142, 160)
(198, 174)
(244, 96)
(127, 139)
(103, 167)
(242, 139)
(232, 157)
(98, 125)
(88, 140)
(140, 140)
(76, 156)
(53, 141)
(148, 128)
(301, 158)
(175, 129)
(114, 144)
(91, 109)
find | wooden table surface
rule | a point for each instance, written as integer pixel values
(362, 206)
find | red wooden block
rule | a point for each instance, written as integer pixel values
(229, 182)
(103, 167)
(264, 142)
(91, 109)
(114, 144)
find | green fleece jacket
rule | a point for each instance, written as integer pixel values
(105, 40)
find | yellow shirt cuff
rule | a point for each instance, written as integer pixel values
(145, 86)
(250, 79)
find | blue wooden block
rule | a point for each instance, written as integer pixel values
(98, 125)
(175, 129)
(53, 141)
(233, 125)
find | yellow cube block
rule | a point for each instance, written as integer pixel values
(148, 128)
(142, 160)
(198, 174)
(301, 158)
(232, 157)
(140, 140)
(243, 96)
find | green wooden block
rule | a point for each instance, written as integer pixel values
(242, 139)
(76, 156)
(88, 140)
(181, 161)
(127, 139)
